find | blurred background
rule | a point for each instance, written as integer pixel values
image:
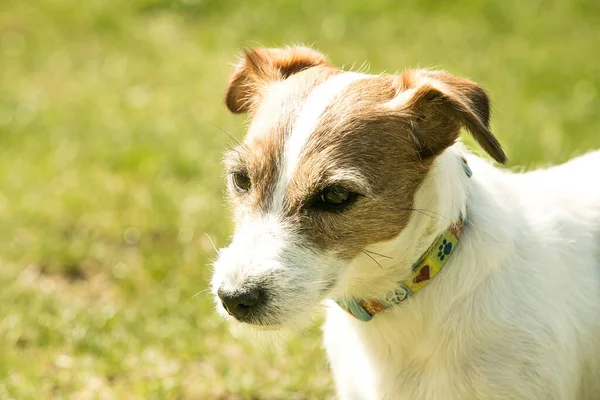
(111, 184)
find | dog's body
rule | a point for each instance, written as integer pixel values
(345, 180)
(515, 314)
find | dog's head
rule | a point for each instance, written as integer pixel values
(330, 165)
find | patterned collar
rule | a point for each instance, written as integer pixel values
(423, 271)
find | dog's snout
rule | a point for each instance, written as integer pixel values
(240, 303)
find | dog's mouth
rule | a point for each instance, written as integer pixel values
(265, 321)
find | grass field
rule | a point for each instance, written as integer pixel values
(111, 183)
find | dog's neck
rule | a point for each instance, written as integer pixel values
(440, 201)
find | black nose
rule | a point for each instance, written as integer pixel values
(239, 303)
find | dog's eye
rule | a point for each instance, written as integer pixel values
(241, 181)
(334, 198)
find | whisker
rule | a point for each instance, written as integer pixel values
(200, 292)
(209, 258)
(427, 213)
(237, 141)
(212, 243)
(377, 254)
(371, 257)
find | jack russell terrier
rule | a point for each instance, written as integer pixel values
(444, 277)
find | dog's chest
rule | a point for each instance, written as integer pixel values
(387, 362)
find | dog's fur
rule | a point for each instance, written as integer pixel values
(514, 314)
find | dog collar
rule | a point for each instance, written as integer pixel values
(423, 271)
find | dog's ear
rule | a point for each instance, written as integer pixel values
(438, 105)
(260, 66)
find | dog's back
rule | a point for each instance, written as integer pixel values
(569, 194)
(565, 201)
(576, 183)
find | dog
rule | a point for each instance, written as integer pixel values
(444, 277)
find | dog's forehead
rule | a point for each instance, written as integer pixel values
(346, 124)
(312, 109)
(281, 102)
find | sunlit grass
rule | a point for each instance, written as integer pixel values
(110, 176)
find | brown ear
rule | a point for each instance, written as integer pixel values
(260, 66)
(439, 105)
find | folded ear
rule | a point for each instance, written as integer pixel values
(260, 66)
(438, 105)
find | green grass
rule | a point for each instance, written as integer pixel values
(111, 184)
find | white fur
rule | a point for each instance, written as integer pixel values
(266, 250)
(308, 119)
(514, 314)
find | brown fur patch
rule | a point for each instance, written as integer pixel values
(357, 132)
(260, 154)
(259, 67)
(383, 132)
(441, 104)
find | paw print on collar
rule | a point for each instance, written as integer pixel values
(444, 249)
